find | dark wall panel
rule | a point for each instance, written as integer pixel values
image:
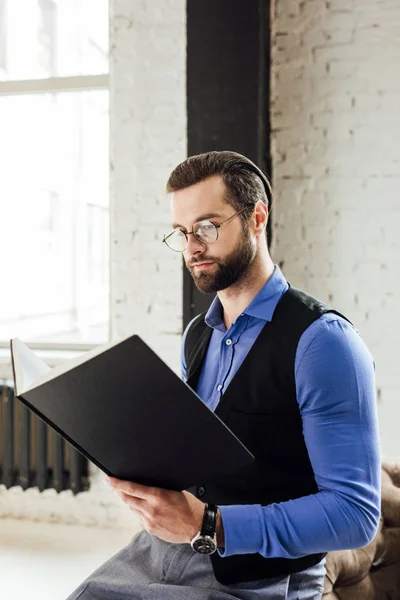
(228, 52)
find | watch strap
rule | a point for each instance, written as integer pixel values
(209, 525)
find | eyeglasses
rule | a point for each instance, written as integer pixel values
(206, 232)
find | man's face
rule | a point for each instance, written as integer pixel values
(223, 263)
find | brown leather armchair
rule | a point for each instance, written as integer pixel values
(372, 572)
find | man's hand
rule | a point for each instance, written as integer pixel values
(174, 517)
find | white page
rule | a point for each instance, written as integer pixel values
(28, 368)
(30, 371)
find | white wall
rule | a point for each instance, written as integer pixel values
(336, 131)
(148, 139)
(336, 126)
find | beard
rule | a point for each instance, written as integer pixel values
(229, 270)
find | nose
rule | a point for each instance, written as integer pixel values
(194, 247)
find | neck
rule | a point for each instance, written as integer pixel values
(238, 296)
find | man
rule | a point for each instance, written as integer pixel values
(292, 379)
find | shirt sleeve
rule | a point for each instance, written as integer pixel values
(335, 387)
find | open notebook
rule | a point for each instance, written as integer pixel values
(123, 408)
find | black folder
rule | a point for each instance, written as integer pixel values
(123, 408)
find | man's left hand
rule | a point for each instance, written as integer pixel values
(174, 517)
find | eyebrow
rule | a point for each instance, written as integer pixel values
(201, 218)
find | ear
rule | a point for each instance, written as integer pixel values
(259, 218)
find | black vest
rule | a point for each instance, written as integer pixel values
(260, 406)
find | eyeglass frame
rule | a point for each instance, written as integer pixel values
(217, 226)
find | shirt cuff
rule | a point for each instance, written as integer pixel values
(243, 529)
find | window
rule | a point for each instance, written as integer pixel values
(3, 34)
(55, 38)
(54, 162)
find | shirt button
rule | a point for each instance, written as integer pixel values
(201, 491)
(219, 388)
(228, 342)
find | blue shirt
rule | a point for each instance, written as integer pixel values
(335, 389)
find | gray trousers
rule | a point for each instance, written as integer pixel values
(151, 569)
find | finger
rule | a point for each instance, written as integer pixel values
(135, 489)
(136, 504)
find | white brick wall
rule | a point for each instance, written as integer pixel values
(336, 126)
(336, 130)
(148, 139)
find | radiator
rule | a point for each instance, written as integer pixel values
(32, 454)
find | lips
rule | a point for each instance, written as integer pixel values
(204, 265)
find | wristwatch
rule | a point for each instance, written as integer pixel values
(205, 542)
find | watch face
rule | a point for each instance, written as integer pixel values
(204, 545)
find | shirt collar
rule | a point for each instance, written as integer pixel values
(262, 306)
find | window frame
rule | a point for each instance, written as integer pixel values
(70, 83)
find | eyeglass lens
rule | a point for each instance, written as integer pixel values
(204, 231)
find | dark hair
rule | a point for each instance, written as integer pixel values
(246, 184)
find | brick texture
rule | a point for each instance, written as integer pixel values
(148, 139)
(335, 129)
